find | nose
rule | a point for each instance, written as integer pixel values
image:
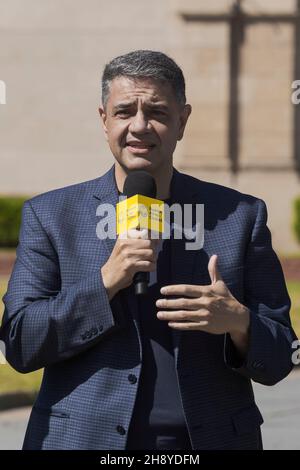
(139, 123)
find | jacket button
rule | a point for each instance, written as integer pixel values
(83, 336)
(89, 334)
(94, 331)
(132, 378)
(121, 430)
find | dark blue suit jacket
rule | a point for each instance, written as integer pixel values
(58, 316)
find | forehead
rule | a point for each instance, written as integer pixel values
(145, 89)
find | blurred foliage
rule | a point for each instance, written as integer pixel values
(294, 293)
(296, 218)
(10, 220)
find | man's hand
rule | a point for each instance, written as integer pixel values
(129, 255)
(209, 308)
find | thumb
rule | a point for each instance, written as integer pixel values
(213, 269)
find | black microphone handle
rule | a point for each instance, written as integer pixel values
(141, 281)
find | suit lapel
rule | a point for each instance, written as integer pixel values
(105, 192)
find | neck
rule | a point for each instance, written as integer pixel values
(162, 179)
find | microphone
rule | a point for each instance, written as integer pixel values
(139, 182)
(137, 211)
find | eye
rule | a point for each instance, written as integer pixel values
(159, 113)
(122, 113)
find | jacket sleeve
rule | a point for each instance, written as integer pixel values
(42, 323)
(269, 356)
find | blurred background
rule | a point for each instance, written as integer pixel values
(239, 59)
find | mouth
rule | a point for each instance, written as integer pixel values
(139, 147)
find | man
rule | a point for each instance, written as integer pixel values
(172, 370)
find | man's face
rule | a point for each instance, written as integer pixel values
(142, 122)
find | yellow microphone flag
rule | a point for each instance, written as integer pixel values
(140, 212)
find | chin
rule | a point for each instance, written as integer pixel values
(138, 163)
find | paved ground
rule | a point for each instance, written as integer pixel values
(280, 406)
(12, 428)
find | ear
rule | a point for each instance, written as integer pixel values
(184, 115)
(103, 117)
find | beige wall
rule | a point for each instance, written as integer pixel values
(52, 53)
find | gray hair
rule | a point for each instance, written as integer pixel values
(144, 64)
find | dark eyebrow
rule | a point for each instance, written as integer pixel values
(123, 106)
(157, 106)
(128, 104)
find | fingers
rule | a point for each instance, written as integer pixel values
(138, 234)
(144, 254)
(143, 234)
(145, 266)
(186, 290)
(134, 256)
(138, 243)
(135, 253)
(181, 303)
(184, 315)
(190, 326)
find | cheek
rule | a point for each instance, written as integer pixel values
(116, 134)
(168, 136)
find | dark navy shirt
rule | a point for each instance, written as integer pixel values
(158, 412)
